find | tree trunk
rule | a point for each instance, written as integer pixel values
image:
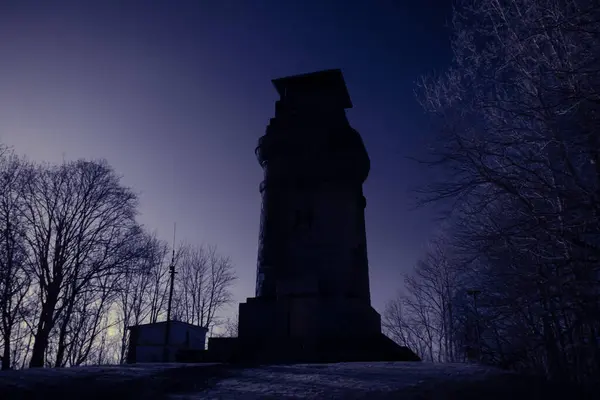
(7, 325)
(60, 353)
(124, 344)
(6, 353)
(44, 327)
(40, 344)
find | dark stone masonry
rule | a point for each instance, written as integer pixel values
(312, 300)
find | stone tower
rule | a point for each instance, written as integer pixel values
(312, 290)
(312, 238)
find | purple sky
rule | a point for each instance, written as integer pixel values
(175, 94)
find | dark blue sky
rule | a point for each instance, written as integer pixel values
(174, 94)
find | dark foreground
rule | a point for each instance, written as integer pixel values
(394, 380)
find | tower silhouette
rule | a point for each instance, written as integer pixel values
(312, 300)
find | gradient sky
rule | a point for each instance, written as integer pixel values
(175, 94)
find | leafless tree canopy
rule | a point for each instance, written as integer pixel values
(14, 279)
(514, 279)
(204, 281)
(229, 327)
(76, 269)
(81, 222)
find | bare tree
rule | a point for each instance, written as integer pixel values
(401, 327)
(228, 327)
(81, 219)
(142, 292)
(105, 350)
(159, 288)
(519, 147)
(422, 317)
(203, 284)
(14, 281)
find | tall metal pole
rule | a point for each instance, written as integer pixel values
(172, 284)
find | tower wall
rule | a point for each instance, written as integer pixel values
(312, 291)
(312, 234)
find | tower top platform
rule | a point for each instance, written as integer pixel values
(328, 83)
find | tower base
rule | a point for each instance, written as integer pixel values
(307, 330)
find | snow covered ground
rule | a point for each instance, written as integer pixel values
(378, 380)
(344, 380)
(29, 377)
(144, 381)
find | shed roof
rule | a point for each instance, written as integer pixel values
(181, 323)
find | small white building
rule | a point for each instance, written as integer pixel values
(147, 341)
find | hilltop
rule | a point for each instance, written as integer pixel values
(377, 380)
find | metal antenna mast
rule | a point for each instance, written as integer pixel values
(172, 283)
